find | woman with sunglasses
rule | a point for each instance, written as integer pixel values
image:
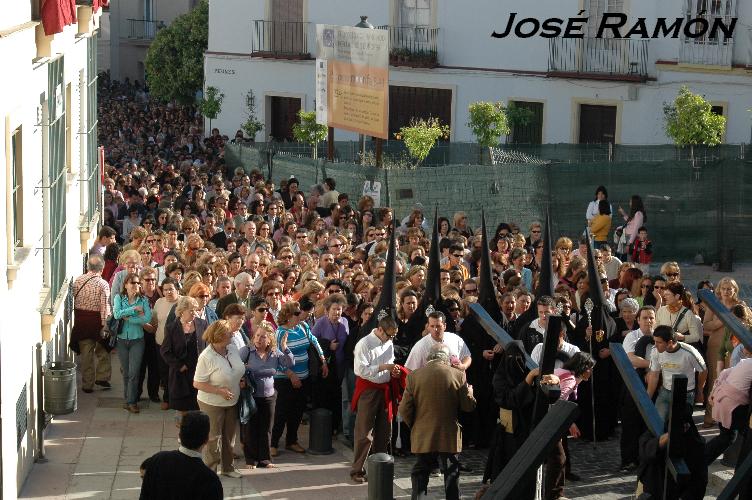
(131, 306)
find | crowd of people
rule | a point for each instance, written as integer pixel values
(253, 302)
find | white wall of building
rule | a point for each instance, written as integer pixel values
(479, 67)
(21, 270)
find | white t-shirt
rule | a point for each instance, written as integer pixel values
(418, 354)
(219, 371)
(370, 352)
(566, 347)
(685, 360)
(630, 342)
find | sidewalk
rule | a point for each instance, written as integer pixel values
(95, 453)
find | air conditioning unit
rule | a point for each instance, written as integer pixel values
(633, 93)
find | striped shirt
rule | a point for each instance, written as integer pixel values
(298, 339)
(95, 295)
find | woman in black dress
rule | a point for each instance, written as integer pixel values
(180, 350)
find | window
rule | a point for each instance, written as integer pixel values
(16, 175)
(597, 124)
(596, 9)
(55, 182)
(529, 131)
(93, 180)
(710, 9)
(406, 103)
(415, 12)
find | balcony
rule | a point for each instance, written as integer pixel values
(413, 46)
(281, 39)
(598, 58)
(142, 29)
(704, 50)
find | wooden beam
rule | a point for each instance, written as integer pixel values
(330, 144)
(727, 317)
(533, 451)
(497, 332)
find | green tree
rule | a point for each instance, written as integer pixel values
(309, 131)
(252, 125)
(690, 121)
(517, 116)
(488, 122)
(421, 136)
(211, 104)
(175, 59)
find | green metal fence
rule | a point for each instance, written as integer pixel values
(692, 208)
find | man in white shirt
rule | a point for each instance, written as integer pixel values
(671, 358)
(374, 368)
(436, 327)
(568, 350)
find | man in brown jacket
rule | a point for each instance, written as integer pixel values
(434, 395)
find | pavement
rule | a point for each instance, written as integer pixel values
(95, 452)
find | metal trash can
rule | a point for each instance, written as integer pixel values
(320, 432)
(380, 468)
(60, 387)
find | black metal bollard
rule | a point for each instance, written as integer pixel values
(380, 468)
(320, 432)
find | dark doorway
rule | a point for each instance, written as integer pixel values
(597, 124)
(283, 115)
(406, 103)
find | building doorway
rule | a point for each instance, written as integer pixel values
(597, 124)
(283, 114)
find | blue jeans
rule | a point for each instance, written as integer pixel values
(663, 402)
(130, 352)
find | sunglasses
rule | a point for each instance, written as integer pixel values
(337, 245)
(458, 255)
(659, 287)
(335, 291)
(672, 275)
(150, 279)
(273, 294)
(135, 282)
(262, 309)
(471, 291)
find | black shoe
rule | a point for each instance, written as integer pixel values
(573, 477)
(630, 467)
(88, 391)
(104, 384)
(155, 399)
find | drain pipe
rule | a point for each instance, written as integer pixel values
(40, 459)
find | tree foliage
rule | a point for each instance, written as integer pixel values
(690, 120)
(488, 122)
(252, 124)
(175, 60)
(309, 131)
(421, 136)
(211, 104)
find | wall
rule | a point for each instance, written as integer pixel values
(22, 288)
(686, 207)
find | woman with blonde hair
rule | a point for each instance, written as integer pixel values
(217, 379)
(263, 360)
(727, 292)
(671, 271)
(563, 250)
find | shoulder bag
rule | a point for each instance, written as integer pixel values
(314, 360)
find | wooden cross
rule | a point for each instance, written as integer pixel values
(740, 485)
(675, 465)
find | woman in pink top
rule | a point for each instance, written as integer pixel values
(730, 398)
(635, 219)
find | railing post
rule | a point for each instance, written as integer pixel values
(40, 406)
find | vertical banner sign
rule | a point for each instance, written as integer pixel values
(321, 97)
(357, 78)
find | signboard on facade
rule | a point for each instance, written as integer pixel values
(357, 83)
(322, 106)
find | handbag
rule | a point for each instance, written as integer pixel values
(112, 328)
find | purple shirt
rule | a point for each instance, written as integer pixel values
(264, 369)
(325, 330)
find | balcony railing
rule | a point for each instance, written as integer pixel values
(599, 58)
(415, 46)
(143, 29)
(706, 52)
(280, 39)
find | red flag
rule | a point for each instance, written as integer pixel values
(57, 14)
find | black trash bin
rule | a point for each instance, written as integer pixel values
(726, 260)
(380, 468)
(320, 432)
(60, 387)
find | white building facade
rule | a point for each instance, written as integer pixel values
(443, 58)
(51, 185)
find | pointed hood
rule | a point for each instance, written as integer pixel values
(433, 278)
(486, 288)
(386, 305)
(596, 290)
(545, 279)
